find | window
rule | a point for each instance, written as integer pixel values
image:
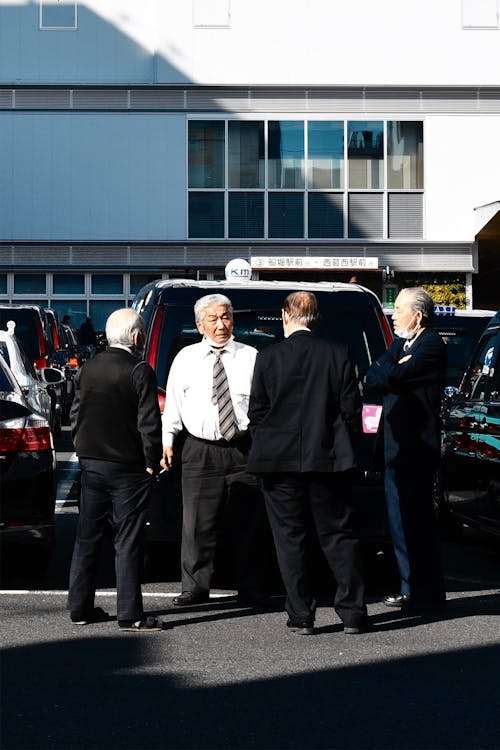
(107, 284)
(405, 155)
(325, 149)
(100, 310)
(206, 154)
(76, 309)
(138, 280)
(366, 154)
(318, 179)
(70, 283)
(286, 154)
(58, 14)
(29, 283)
(3, 283)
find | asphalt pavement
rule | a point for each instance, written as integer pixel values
(222, 676)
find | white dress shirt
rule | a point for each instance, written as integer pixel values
(188, 399)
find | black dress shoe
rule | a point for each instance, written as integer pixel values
(396, 600)
(188, 598)
(302, 628)
(362, 627)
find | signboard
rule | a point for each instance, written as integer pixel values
(315, 263)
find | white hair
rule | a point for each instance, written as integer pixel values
(121, 326)
(421, 301)
(208, 301)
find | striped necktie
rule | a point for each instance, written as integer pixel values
(222, 397)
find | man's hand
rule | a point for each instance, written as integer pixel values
(404, 359)
(168, 457)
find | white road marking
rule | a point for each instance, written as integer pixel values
(151, 594)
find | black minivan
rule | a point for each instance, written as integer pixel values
(350, 314)
(471, 439)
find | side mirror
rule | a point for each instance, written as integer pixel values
(52, 376)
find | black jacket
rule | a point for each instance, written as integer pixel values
(115, 414)
(412, 394)
(304, 407)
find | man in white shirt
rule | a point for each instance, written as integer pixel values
(208, 391)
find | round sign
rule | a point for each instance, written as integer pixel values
(238, 269)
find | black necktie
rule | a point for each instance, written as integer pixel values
(222, 397)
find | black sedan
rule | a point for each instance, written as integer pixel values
(27, 474)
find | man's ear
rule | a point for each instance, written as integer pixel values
(199, 326)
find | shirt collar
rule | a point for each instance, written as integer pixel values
(229, 346)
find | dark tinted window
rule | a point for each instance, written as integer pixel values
(479, 376)
(460, 335)
(26, 329)
(350, 319)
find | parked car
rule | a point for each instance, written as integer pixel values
(471, 440)
(69, 357)
(34, 387)
(27, 474)
(34, 331)
(350, 314)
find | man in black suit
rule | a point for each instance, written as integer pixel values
(410, 378)
(116, 428)
(304, 407)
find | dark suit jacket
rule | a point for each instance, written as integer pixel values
(115, 414)
(412, 394)
(304, 405)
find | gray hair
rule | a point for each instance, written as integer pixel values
(121, 326)
(209, 300)
(421, 301)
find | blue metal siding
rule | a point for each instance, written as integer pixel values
(92, 176)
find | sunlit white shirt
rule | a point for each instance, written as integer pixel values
(188, 399)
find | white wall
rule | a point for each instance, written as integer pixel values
(92, 176)
(462, 172)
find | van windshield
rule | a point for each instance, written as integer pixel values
(358, 328)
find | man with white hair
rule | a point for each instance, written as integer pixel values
(410, 379)
(116, 429)
(207, 396)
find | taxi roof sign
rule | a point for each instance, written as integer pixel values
(444, 310)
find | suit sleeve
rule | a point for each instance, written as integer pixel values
(425, 365)
(148, 414)
(350, 398)
(259, 399)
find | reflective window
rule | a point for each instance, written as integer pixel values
(246, 214)
(366, 154)
(246, 154)
(405, 155)
(29, 283)
(206, 215)
(286, 154)
(206, 154)
(138, 280)
(286, 215)
(100, 310)
(107, 283)
(325, 154)
(3, 283)
(76, 309)
(69, 283)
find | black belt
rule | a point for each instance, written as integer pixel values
(239, 438)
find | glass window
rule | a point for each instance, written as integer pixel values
(100, 310)
(107, 283)
(76, 309)
(366, 154)
(3, 283)
(246, 154)
(246, 214)
(405, 155)
(206, 154)
(286, 214)
(58, 15)
(325, 151)
(29, 283)
(326, 214)
(286, 154)
(138, 280)
(206, 215)
(68, 283)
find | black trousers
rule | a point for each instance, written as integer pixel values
(328, 497)
(214, 478)
(415, 533)
(116, 491)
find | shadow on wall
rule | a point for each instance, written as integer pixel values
(97, 52)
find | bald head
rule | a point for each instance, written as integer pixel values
(125, 327)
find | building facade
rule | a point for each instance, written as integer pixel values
(315, 140)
